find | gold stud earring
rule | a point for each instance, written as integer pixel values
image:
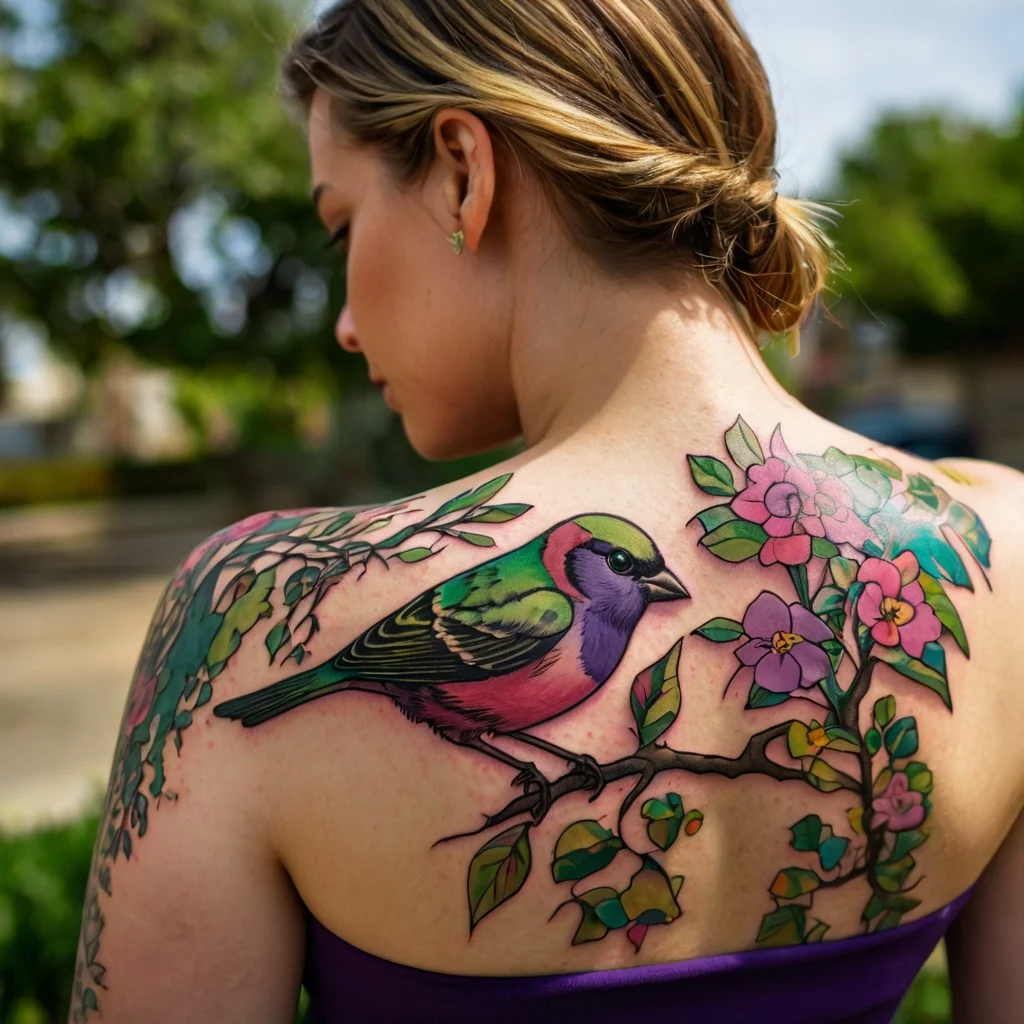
(457, 239)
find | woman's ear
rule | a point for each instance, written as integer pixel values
(463, 144)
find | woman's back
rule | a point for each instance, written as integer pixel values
(751, 797)
(776, 845)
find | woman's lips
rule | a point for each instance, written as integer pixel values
(381, 383)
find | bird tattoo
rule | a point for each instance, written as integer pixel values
(505, 645)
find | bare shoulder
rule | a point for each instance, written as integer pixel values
(248, 602)
(992, 486)
(997, 492)
(186, 832)
(973, 472)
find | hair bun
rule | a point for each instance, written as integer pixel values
(780, 263)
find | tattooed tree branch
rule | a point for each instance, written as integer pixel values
(856, 693)
(655, 758)
(838, 527)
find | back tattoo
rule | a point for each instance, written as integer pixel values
(857, 559)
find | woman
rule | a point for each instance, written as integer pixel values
(671, 712)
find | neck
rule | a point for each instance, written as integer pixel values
(630, 360)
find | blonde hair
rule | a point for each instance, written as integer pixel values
(649, 124)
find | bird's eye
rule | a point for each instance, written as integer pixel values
(619, 561)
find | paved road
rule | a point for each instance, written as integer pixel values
(67, 658)
(78, 586)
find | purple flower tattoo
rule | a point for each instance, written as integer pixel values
(783, 646)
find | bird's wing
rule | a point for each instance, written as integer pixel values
(471, 627)
(504, 637)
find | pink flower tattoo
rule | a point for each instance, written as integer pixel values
(899, 808)
(893, 605)
(794, 506)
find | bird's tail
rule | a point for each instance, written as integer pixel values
(276, 699)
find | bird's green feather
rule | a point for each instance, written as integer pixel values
(539, 613)
(495, 618)
(621, 534)
(498, 580)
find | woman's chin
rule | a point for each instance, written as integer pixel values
(439, 445)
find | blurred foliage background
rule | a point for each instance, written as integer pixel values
(166, 315)
(156, 200)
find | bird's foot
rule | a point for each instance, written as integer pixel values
(534, 781)
(589, 767)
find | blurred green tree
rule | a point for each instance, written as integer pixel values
(155, 196)
(156, 192)
(932, 228)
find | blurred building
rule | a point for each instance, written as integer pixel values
(971, 406)
(51, 410)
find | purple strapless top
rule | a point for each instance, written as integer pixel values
(858, 980)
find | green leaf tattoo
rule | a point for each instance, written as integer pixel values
(877, 540)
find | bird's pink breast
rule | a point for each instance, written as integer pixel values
(539, 691)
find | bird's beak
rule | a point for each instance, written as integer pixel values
(666, 586)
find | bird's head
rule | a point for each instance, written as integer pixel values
(614, 571)
(620, 551)
(613, 562)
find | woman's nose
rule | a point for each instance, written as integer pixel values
(345, 331)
